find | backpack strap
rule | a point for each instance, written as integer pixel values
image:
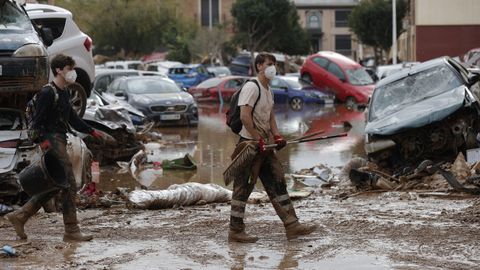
(259, 93)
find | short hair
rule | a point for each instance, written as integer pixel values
(60, 61)
(262, 57)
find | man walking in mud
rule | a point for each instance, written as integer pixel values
(52, 118)
(259, 125)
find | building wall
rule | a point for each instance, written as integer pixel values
(447, 12)
(453, 40)
(440, 27)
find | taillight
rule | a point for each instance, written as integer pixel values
(9, 144)
(88, 44)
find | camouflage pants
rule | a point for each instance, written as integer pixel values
(272, 176)
(59, 148)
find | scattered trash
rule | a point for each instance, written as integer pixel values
(9, 250)
(4, 209)
(179, 195)
(185, 163)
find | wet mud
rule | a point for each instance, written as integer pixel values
(392, 230)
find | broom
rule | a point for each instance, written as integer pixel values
(243, 161)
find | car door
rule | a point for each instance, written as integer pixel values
(319, 72)
(335, 79)
(280, 90)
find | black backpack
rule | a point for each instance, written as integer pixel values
(31, 105)
(233, 112)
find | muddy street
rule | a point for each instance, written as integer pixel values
(391, 230)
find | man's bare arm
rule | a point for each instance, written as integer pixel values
(273, 125)
(247, 121)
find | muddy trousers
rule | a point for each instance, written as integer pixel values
(272, 176)
(59, 148)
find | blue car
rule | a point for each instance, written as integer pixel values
(187, 76)
(292, 91)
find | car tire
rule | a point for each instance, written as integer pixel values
(306, 78)
(350, 102)
(296, 104)
(78, 98)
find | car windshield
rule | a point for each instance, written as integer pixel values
(149, 86)
(359, 76)
(179, 71)
(10, 120)
(209, 83)
(394, 96)
(13, 19)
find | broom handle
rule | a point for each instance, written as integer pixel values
(309, 135)
(310, 140)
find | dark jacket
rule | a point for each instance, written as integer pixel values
(54, 116)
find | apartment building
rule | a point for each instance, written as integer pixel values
(439, 27)
(326, 22)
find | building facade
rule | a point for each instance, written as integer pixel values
(436, 28)
(326, 22)
(209, 12)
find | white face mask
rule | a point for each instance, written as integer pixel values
(71, 76)
(270, 72)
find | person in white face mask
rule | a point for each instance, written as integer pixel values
(259, 125)
(52, 119)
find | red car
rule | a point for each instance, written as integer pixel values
(343, 76)
(209, 89)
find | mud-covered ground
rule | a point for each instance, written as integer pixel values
(370, 231)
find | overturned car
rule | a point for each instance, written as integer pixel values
(430, 111)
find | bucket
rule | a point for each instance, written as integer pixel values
(45, 175)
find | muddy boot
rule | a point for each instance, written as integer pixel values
(297, 229)
(72, 233)
(241, 237)
(19, 217)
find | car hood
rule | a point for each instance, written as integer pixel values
(419, 114)
(164, 98)
(13, 41)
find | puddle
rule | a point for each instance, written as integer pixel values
(211, 144)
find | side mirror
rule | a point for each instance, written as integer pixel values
(47, 36)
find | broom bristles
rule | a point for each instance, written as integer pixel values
(240, 163)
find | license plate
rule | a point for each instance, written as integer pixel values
(170, 117)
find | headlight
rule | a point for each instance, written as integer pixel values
(30, 50)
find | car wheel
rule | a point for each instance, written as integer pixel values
(306, 78)
(78, 98)
(350, 102)
(296, 103)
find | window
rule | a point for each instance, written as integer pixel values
(205, 12)
(56, 24)
(336, 70)
(343, 44)
(341, 18)
(102, 83)
(323, 62)
(313, 21)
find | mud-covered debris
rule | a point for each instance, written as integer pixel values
(460, 167)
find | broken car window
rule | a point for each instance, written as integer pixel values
(12, 18)
(394, 96)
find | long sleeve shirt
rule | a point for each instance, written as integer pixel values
(54, 116)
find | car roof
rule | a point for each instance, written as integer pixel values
(414, 69)
(100, 71)
(337, 58)
(33, 9)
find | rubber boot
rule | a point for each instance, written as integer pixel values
(72, 230)
(19, 217)
(297, 229)
(241, 237)
(72, 233)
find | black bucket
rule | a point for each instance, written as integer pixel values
(43, 176)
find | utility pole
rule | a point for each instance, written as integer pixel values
(394, 32)
(210, 22)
